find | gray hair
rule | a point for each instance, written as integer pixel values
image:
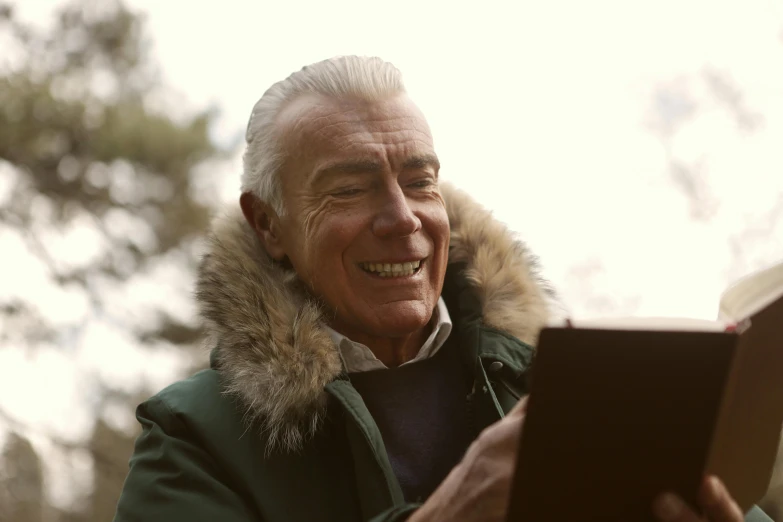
(367, 78)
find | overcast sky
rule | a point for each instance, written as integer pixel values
(547, 112)
(542, 110)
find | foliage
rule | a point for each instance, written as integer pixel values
(86, 151)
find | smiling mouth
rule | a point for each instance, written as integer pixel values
(392, 269)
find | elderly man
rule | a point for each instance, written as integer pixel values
(370, 331)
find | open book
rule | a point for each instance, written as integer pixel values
(621, 410)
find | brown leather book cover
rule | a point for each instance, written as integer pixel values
(616, 417)
(748, 433)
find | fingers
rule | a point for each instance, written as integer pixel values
(519, 408)
(503, 435)
(716, 502)
(671, 508)
(714, 499)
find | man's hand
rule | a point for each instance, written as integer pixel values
(714, 500)
(478, 488)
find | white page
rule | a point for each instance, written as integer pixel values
(751, 293)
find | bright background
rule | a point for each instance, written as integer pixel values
(635, 141)
(637, 147)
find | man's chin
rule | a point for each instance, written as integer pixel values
(402, 323)
(389, 320)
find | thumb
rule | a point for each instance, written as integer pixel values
(520, 407)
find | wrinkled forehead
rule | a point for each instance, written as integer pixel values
(318, 126)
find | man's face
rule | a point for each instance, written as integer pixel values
(365, 225)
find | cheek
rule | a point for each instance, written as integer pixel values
(326, 235)
(437, 226)
(316, 236)
(437, 223)
(315, 211)
(438, 219)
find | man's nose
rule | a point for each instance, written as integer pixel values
(395, 217)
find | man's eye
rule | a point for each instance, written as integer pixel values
(421, 184)
(348, 192)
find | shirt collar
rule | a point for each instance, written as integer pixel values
(357, 357)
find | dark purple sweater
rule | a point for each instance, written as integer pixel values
(420, 410)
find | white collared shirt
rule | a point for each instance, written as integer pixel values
(359, 358)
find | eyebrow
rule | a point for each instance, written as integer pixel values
(420, 162)
(372, 167)
(351, 167)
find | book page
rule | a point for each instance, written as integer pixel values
(751, 293)
(649, 323)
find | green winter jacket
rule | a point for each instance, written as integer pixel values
(274, 431)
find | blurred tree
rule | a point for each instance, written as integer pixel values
(100, 177)
(114, 447)
(21, 482)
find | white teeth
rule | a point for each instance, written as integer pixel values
(392, 269)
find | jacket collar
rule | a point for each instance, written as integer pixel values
(271, 346)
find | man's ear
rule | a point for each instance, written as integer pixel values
(265, 223)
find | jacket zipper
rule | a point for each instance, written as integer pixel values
(470, 406)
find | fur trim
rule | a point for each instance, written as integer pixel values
(271, 347)
(514, 299)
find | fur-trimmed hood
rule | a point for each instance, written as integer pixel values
(270, 345)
